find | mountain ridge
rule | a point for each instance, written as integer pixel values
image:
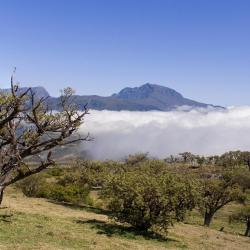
(143, 98)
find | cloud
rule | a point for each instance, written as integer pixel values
(200, 131)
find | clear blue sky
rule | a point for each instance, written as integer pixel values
(201, 48)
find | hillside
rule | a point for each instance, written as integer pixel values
(144, 98)
(40, 224)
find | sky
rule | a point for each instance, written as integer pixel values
(200, 48)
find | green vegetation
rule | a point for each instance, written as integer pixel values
(66, 188)
(147, 196)
(243, 216)
(155, 204)
(36, 223)
(216, 190)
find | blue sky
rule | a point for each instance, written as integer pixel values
(201, 48)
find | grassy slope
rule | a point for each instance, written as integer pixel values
(40, 224)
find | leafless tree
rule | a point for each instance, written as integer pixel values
(30, 130)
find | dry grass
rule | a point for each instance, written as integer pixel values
(197, 237)
(40, 224)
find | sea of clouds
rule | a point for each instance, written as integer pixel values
(200, 131)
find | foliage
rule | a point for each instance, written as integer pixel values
(55, 171)
(136, 158)
(94, 173)
(242, 216)
(63, 190)
(70, 193)
(148, 196)
(34, 186)
(242, 177)
(216, 190)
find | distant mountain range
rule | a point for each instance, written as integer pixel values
(144, 98)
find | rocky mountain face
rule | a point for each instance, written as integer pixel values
(144, 98)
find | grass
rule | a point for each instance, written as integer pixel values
(220, 221)
(31, 223)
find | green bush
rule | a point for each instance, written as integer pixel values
(94, 173)
(35, 186)
(243, 216)
(70, 193)
(38, 186)
(55, 171)
(148, 197)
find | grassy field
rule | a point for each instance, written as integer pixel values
(32, 223)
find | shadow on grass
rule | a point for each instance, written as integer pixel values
(110, 230)
(6, 217)
(123, 231)
(82, 207)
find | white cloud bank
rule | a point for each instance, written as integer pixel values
(206, 132)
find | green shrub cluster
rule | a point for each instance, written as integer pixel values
(69, 193)
(149, 197)
(146, 193)
(60, 190)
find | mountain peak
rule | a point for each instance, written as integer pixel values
(148, 90)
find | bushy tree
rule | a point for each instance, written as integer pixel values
(187, 157)
(242, 177)
(149, 197)
(217, 189)
(243, 216)
(29, 130)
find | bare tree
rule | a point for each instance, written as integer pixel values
(30, 130)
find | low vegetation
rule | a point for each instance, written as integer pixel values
(147, 194)
(243, 215)
(37, 223)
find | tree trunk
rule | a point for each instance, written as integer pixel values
(208, 218)
(1, 193)
(247, 233)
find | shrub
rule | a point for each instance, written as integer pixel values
(70, 193)
(93, 173)
(55, 171)
(34, 186)
(38, 186)
(148, 198)
(242, 216)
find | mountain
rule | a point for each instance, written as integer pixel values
(144, 98)
(162, 98)
(38, 91)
